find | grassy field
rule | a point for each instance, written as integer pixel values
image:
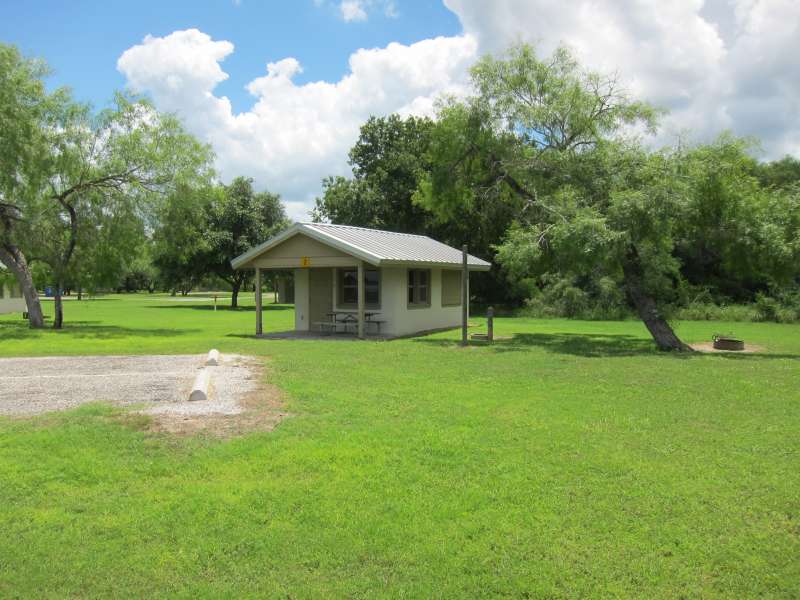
(569, 461)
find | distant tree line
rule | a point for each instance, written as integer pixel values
(540, 172)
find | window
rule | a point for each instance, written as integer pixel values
(451, 288)
(348, 287)
(419, 287)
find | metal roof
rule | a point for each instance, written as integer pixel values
(374, 246)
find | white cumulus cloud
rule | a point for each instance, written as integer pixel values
(294, 134)
(353, 10)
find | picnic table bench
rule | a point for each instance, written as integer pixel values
(345, 319)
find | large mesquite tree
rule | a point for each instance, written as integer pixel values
(550, 137)
(89, 174)
(26, 110)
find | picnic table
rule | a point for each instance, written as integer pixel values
(347, 318)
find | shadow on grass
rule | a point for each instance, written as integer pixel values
(594, 346)
(210, 307)
(87, 330)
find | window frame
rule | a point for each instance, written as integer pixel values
(414, 287)
(340, 274)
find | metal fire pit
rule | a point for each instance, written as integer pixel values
(724, 342)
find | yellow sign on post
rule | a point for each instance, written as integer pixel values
(305, 261)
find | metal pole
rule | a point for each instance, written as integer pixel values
(361, 300)
(259, 329)
(490, 324)
(464, 295)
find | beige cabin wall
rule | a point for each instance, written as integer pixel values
(11, 300)
(404, 320)
(303, 251)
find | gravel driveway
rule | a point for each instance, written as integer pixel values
(31, 386)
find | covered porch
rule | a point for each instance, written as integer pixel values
(340, 301)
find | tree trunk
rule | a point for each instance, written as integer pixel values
(12, 257)
(235, 287)
(58, 306)
(646, 306)
(80, 293)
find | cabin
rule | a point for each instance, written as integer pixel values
(11, 300)
(364, 282)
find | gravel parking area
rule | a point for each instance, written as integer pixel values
(30, 386)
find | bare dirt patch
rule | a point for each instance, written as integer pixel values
(157, 387)
(709, 347)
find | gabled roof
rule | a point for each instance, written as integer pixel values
(373, 246)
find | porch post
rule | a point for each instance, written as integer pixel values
(464, 296)
(259, 329)
(361, 300)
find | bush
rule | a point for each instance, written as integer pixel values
(708, 311)
(601, 299)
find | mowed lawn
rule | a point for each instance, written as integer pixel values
(569, 461)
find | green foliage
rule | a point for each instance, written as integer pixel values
(388, 160)
(200, 231)
(239, 220)
(554, 104)
(25, 107)
(589, 298)
(783, 173)
(348, 202)
(737, 237)
(180, 246)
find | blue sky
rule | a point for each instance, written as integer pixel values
(279, 89)
(82, 40)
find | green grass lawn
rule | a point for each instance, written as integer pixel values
(570, 461)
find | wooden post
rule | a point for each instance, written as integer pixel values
(259, 329)
(361, 300)
(464, 295)
(490, 324)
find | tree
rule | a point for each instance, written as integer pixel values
(388, 160)
(238, 221)
(180, 244)
(107, 171)
(781, 173)
(552, 135)
(73, 175)
(348, 202)
(740, 234)
(25, 110)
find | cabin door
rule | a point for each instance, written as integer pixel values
(320, 295)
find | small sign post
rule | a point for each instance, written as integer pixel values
(215, 303)
(490, 324)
